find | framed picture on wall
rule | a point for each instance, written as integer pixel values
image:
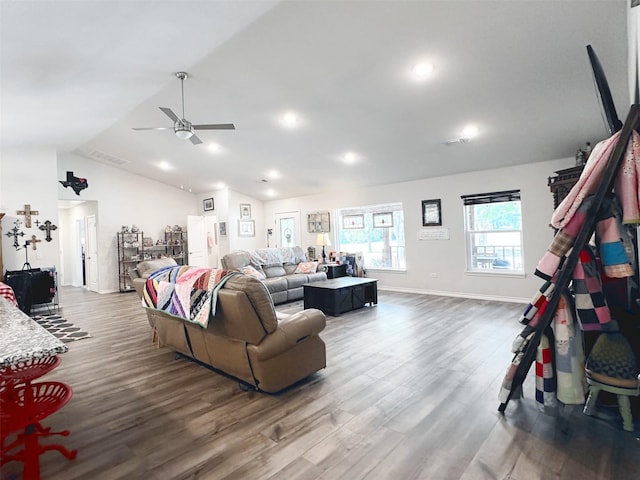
(207, 204)
(353, 221)
(431, 213)
(383, 220)
(222, 229)
(246, 228)
(245, 210)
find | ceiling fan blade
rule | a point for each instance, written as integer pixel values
(195, 140)
(215, 126)
(169, 113)
(152, 128)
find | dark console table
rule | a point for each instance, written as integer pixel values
(340, 295)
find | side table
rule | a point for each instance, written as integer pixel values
(335, 270)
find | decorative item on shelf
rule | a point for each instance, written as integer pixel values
(582, 155)
(168, 229)
(147, 242)
(15, 232)
(27, 212)
(76, 183)
(245, 210)
(124, 229)
(48, 227)
(207, 204)
(134, 228)
(177, 229)
(431, 213)
(323, 240)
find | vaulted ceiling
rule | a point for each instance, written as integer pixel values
(79, 76)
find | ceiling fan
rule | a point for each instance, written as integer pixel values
(182, 127)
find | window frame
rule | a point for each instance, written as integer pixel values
(400, 257)
(470, 201)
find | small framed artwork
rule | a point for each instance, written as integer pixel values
(245, 210)
(207, 204)
(431, 213)
(319, 222)
(353, 221)
(222, 229)
(383, 220)
(246, 228)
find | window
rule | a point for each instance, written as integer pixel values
(375, 230)
(493, 230)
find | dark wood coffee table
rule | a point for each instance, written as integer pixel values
(340, 295)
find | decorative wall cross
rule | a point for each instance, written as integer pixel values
(47, 227)
(15, 232)
(34, 240)
(27, 212)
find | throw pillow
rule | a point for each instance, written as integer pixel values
(253, 272)
(307, 267)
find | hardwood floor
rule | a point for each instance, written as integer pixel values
(409, 392)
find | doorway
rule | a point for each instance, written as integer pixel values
(287, 231)
(78, 243)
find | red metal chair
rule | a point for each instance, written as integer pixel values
(25, 371)
(22, 409)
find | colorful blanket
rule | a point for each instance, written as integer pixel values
(189, 293)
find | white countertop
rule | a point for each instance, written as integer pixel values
(21, 338)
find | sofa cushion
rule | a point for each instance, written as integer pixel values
(289, 268)
(296, 280)
(275, 284)
(253, 272)
(306, 267)
(274, 271)
(259, 297)
(147, 267)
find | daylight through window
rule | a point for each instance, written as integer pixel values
(493, 230)
(375, 230)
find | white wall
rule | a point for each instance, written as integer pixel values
(446, 258)
(633, 28)
(124, 199)
(237, 242)
(28, 176)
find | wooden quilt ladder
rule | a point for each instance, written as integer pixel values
(566, 271)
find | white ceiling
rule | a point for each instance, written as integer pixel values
(80, 75)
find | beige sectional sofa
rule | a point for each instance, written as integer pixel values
(245, 338)
(276, 268)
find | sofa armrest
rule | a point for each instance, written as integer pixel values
(289, 333)
(138, 284)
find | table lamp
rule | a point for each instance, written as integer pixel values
(323, 240)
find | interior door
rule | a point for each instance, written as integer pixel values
(91, 261)
(287, 231)
(196, 242)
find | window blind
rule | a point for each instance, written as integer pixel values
(491, 197)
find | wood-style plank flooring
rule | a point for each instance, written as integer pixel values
(409, 392)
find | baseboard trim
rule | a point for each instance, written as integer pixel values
(474, 296)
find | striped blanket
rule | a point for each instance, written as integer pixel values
(186, 292)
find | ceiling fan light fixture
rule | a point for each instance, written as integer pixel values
(184, 134)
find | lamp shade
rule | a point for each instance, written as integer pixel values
(323, 239)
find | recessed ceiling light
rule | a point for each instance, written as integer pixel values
(214, 147)
(164, 165)
(290, 119)
(469, 132)
(219, 185)
(350, 158)
(273, 174)
(422, 70)
(271, 192)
